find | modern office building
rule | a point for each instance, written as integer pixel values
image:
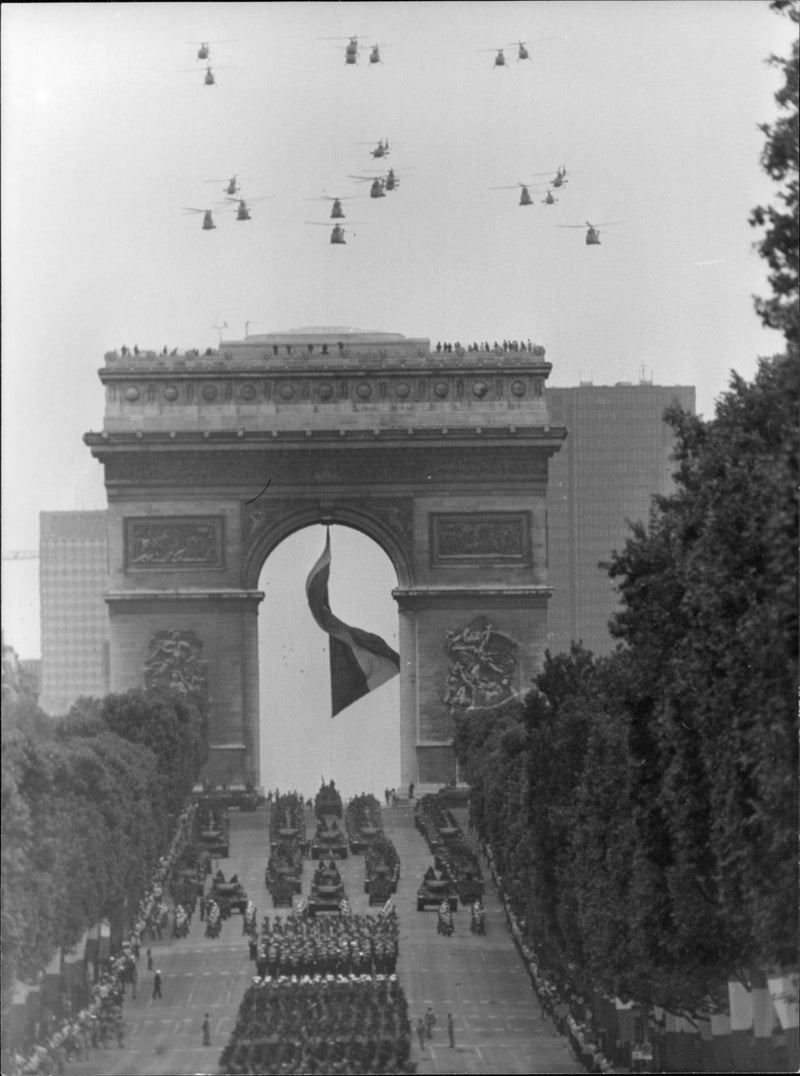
(617, 455)
(72, 576)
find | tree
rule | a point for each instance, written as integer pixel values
(170, 726)
(781, 244)
(709, 620)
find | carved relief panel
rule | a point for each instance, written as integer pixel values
(483, 666)
(480, 538)
(159, 542)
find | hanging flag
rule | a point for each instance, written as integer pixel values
(360, 661)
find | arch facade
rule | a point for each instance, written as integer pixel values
(441, 457)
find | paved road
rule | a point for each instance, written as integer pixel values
(480, 980)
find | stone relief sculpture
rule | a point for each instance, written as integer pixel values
(484, 666)
(478, 536)
(174, 660)
(153, 542)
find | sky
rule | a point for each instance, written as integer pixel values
(109, 133)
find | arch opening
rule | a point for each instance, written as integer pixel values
(300, 742)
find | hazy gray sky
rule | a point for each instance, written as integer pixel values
(108, 131)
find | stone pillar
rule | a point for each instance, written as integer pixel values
(225, 623)
(408, 700)
(494, 627)
(251, 717)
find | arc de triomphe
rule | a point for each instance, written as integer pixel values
(440, 456)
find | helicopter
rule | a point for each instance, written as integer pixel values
(549, 199)
(522, 52)
(378, 185)
(351, 49)
(390, 181)
(242, 207)
(375, 55)
(524, 194)
(560, 178)
(232, 184)
(337, 211)
(204, 51)
(593, 232)
(499, 59)
(208, 220)
(208, 78)
(337, 232)
(381, 150)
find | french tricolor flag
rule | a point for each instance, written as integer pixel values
(360, 661)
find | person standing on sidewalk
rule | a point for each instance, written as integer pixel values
(206, 1031)
(430, 1020)
(421, 1033)
(157, 985)
(451, 1030)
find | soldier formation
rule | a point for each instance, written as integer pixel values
(347, 945)
(331, 1024)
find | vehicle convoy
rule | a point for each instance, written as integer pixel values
(382, 870)
(285, 867)
(212, 825)
(327, 890)
(330, 840)
(434, 890)
(452, 854)
(230, 896)
(363, 822)
(287, 824)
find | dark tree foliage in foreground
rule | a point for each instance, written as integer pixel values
(171, 726)
(87, 801)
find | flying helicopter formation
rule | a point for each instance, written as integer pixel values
(540, 183)
(232, 203)
(352, 47)
(204, 53)
(557, 182)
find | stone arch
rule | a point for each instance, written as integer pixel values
(298, 517)
(441, 458)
